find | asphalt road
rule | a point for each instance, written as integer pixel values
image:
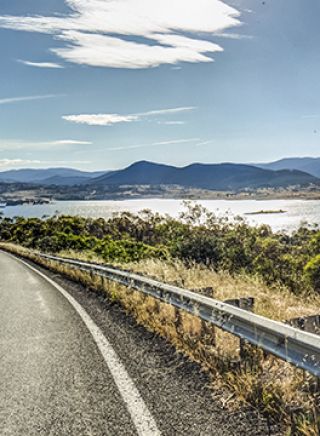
(74, 364)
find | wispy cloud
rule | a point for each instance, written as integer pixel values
(23, 163)
(41, 64)
(10, 100)
(67, 162)
(233, 36)
(98, 32)
(155, 144)
(172, 123)
(8, 145)
(175, 110)
(111, 119)
(203, 143)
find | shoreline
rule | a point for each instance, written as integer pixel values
(168, 198)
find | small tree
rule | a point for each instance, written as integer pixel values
(312, 272)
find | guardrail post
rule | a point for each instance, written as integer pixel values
(310, 324)
(103, 281)
(91, 274)
(247, 351)
(245, 303)
(208, 331)
(178, 320)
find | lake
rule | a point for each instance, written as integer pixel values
(297, 211)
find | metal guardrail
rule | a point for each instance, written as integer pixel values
(297, 347)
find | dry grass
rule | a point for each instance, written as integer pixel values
(266, 383)
(276, 302)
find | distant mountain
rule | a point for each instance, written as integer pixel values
(139, 173)
(309, 165)
(57, 176)
(220, 177)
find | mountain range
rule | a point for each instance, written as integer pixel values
(218, 177)
(309, 165)
(48, 176)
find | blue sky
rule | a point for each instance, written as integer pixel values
(99, 84)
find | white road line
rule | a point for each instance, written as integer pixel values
(140, 414)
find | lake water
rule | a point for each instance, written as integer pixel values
(297, 211)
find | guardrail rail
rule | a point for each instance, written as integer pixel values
(290, 344)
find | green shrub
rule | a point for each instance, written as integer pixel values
(312, 272)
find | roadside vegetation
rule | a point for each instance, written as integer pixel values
(197, 237)
(221, 257)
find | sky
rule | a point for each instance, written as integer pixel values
(99, 84)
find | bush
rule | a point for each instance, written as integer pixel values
(312, 272)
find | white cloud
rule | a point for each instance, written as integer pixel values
(10, 100)
(4, 163)
(41, 64)
(106, 51)
(154, 144)
(95, 30)
(100, 119)
(111, 119)
(68, 142)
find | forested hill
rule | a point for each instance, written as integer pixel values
(222, 177)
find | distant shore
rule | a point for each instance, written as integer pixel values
(21, 194)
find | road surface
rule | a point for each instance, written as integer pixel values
(73, 364)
